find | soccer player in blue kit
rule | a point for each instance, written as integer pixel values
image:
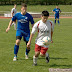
(56, 11)
(23, 18)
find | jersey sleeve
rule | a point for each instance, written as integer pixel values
(59, 10)
(12, 11)
(53, 9)
(14, 17)
(35, 28)
(31, 20)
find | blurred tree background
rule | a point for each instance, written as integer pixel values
(36, 2)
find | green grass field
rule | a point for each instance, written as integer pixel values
(60, 51)
(38, 8)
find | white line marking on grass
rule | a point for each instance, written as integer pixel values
(60, 70)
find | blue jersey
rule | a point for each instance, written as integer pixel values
(56, 11)
(23, 21)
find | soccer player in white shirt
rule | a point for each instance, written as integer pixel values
(13, 12)
(45, 27)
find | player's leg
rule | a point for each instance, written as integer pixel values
(55, 19)
(26, 39)
(58, 20)
(37, 52)
(27, 51)
(16, 47)
(15, 25)
(44, 53)
(35, 57)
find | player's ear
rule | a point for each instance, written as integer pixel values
(41, 16)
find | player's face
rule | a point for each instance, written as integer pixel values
(44, 18)
(57, 7)
(24, 9)
(15, 6)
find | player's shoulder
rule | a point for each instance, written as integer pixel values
(37, 23)
(50, 21)
(28, 14)
(17, 14)
(59, 8)
(12, 8)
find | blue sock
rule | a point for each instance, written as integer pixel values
(55, 21)
(27, 51)
(16, 48)
(58, 21)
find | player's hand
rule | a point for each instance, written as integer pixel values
(51, 41)
(54, 12)
(28, 45)
(7, 29)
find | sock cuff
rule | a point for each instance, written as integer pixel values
(35, 57)
(47, 54)
(16, 45)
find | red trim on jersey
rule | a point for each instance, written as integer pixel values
(13, 11)
(51, 24)
(38, 26)
(51, 31)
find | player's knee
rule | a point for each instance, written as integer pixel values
(42, 54)
(28, 48)
(17, 42)
(37, 54)
(57, 19)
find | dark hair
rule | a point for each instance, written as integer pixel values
(45, 13)
(23, 5)
(14, 4)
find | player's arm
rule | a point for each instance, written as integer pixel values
(59, 11)
(8, 28)
(12, 14)
(52, 29)
(32, 20)
(32, 25)
(34, 29)
(30, 39)
(11, 21)
(53, 11)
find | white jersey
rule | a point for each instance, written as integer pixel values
(13, 11)
(44, 29)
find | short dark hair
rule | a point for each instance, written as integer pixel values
(14, 4)
(23, 5)
(45, 13)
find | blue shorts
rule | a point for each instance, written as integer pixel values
(25, 35)
(56, 16)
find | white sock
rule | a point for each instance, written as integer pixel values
(46, 54)
(35, 59)
(12, 24)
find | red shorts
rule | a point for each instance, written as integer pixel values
(41, 49)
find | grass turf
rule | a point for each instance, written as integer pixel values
(38, 8)
(60, 51)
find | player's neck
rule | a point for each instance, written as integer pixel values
(23, 13)
(14, 7)
(44, 21)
